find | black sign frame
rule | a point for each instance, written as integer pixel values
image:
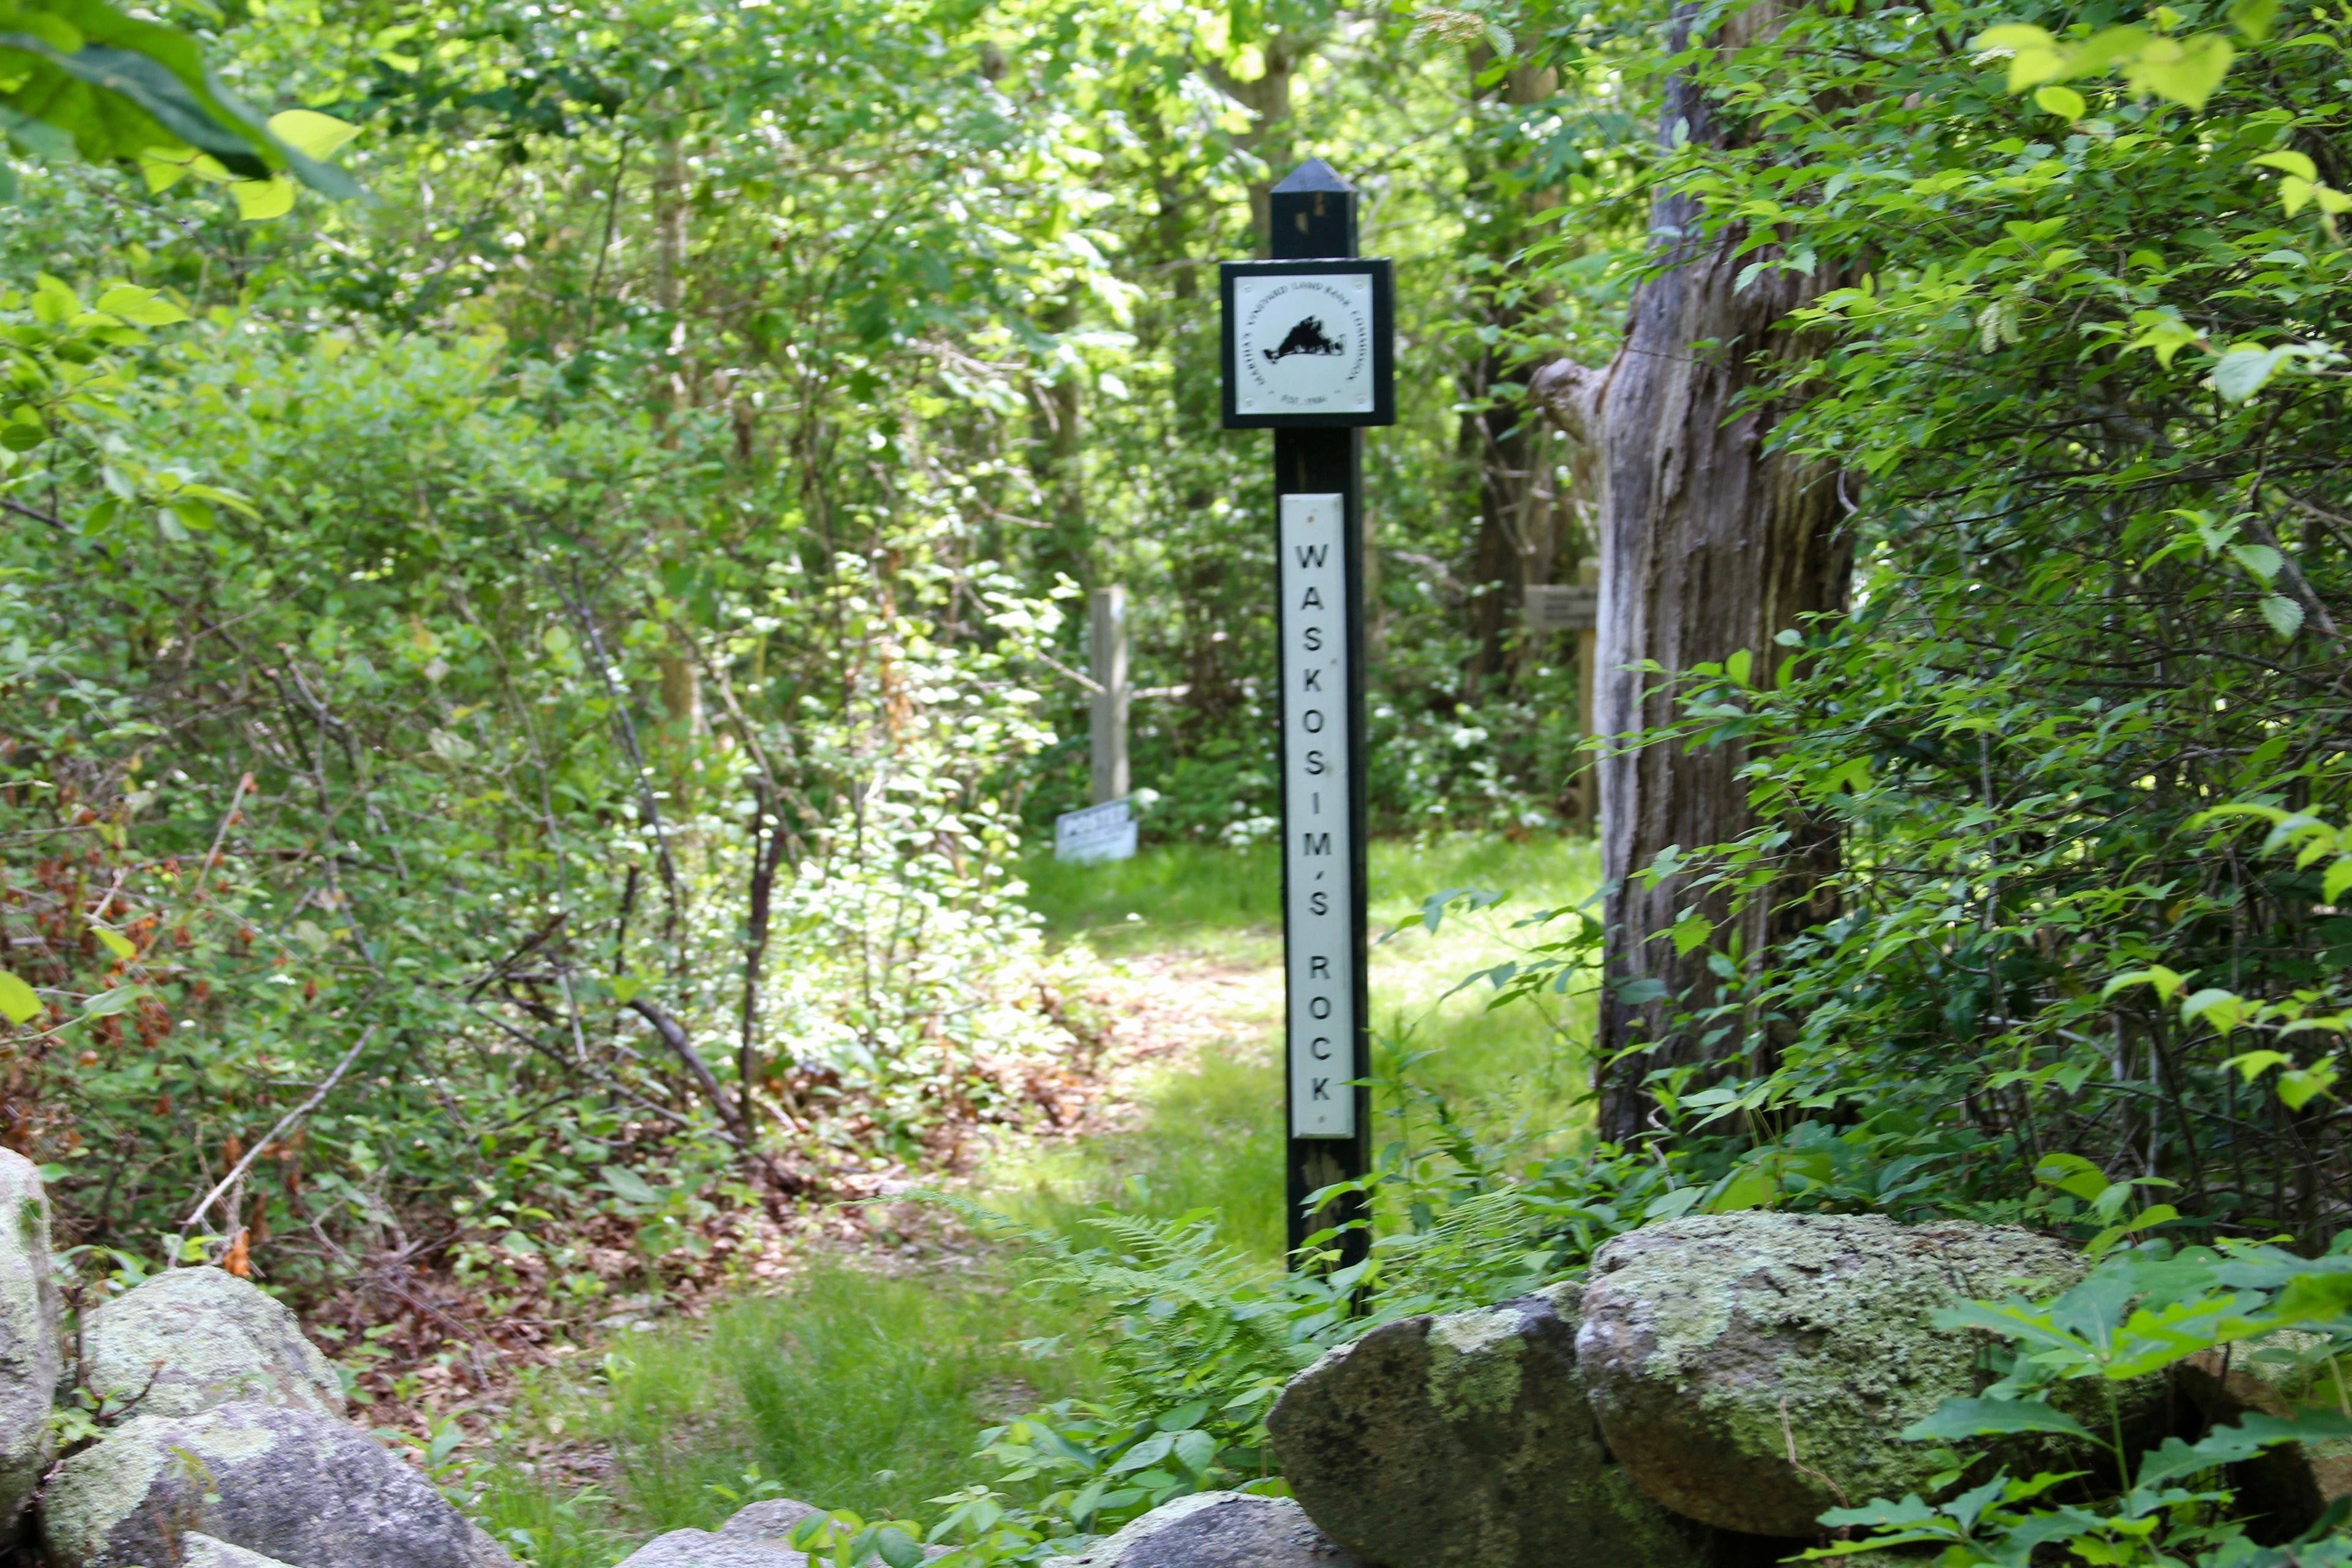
(1383, 410)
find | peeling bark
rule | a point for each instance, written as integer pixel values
(1708, 545)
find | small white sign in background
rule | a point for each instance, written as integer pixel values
(1303, 344)
(1104, 832)
(1318, 926)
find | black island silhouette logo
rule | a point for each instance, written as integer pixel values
(1306, 338)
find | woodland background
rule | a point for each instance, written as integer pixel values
(538, 653)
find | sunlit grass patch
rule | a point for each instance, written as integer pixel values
(850, 1389)
(1211, 1134)
(1203, 896)
(1526, 1067)
(1210, 1137)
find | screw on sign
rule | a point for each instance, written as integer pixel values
(1308, 353)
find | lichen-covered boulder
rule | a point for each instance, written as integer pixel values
(1217, 1530)
(290, 1484)
(770, 1518)
(1466, 1441)
(1747, 1369)
(193, 1338)
(200, 1551)
(30, 1355)
(702, 1549)
(2283, 1490)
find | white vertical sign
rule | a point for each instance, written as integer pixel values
(1318, 925)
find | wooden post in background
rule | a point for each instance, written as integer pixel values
(1106, 625)
(1554, 609)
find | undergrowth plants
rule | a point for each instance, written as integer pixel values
(2142, 1311)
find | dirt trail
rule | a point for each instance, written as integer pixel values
(1152, 1011)
(1162, 1007)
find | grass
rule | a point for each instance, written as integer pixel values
(1209, 1137)
(1210, 1134)
(862, 1391)
(856, 1390)
(1202, 897)
(1523, 1068)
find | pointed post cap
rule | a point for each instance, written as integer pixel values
(1313, 174)
(1311, 214)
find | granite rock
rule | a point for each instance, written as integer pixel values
(193, 1338)
(702, 1549)
(1750, 1370)
(769, 1518)
(200, 1551)
(1218, 1529)
(290, 1484)
(31, 1359)
(1467, 1441)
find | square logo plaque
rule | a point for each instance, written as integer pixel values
(1308, 343)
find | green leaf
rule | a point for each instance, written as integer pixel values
(2301, 1087)
(1991, 1417)
(2294, 163)
(107, 1004)
(2285, 614)
(16, 998)
(2165, 982)
(897, 1547)
(2063, 102)
(1149, 1452)
(2234, 1445)
(2253, 17)
(628, 1185)
(1690, 933)
(315, 134)
(2251, 1065)
(258, 201)
(2339, 879)
(2224, 1010)
(2072, 1173)
(1749, 1189)
(2260, 560)
(114, 941)
(141, 307)
(2244, 370)
(1196, 1451)
(2185, 71)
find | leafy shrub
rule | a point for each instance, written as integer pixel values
(2141, 1311)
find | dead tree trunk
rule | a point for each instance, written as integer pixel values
(1708, 545)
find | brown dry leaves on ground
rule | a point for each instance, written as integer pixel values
(434, 1347)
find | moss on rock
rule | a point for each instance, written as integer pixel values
(1753, 1370)
(1464, 1441)
(193, 1338)
(288, 1484)
(30, 1355)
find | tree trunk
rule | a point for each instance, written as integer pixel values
(1502, 434)
(1267, 99)
(1057, 460)
(1709, 545)
(681, 682)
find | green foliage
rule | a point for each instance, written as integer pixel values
(2139, 1312)
(2077, 367)
(82, 76)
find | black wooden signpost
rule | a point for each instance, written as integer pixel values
(1308, 341)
